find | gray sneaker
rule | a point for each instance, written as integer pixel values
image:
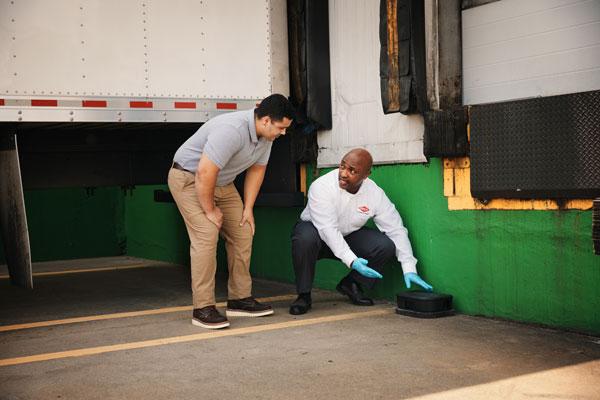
(247, 307)
(208, 317)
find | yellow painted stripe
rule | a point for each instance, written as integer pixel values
(188, 338)
(77, 271)
(129, 314)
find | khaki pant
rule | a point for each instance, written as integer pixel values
(204, 236)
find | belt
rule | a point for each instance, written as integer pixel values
(179, 167)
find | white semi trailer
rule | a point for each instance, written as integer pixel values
(139, 61)
(132, 61)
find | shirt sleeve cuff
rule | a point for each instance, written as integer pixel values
(348, 257)
(211, 154)
(406, 268)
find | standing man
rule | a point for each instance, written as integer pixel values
(201, 182)
(332, 226)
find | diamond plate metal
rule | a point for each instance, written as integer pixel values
(546, 147)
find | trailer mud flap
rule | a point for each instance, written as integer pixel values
(402, 56)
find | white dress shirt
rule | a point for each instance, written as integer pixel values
(336, 213)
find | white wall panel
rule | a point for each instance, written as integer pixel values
(517, 49)
(142, 48)
(358, 119)
(208, 49)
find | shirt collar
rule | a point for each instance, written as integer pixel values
(252, 125)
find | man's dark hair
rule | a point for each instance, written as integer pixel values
(276, 106)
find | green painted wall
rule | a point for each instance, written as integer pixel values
(533, 266)
(154, 230)
(74, 223)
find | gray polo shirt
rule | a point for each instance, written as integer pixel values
(230, 141)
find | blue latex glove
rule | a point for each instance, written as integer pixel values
(360, 265)
(414, 278)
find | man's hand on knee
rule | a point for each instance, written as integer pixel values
(215, 216)
(248, 217)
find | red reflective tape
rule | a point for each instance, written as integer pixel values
(140, 104)
(44, 103)
(226, 106)
(185, 104)
(94, 103)
(1, 102)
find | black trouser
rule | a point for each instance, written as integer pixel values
(308, 247)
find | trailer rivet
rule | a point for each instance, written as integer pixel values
(19, 112)
(71, 113)
(165, 120)
(20, 119)
(119, 113)
(71, 119)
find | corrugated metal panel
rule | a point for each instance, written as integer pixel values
(516, 49)
(358, 118)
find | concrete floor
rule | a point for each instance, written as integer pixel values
(335, 351)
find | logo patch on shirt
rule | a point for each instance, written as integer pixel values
(363, 209)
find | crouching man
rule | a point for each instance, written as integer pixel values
(332, 226)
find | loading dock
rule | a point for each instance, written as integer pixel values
(121, 328)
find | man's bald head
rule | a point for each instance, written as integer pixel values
(355, 167)
(363, 155)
